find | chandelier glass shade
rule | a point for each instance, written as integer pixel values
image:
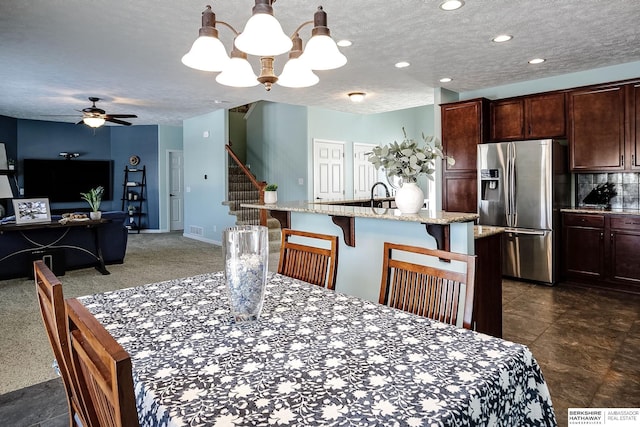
(321, 53)
(263, 37)
(207, 54)
(238, 71)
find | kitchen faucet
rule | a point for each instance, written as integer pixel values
(386, 190)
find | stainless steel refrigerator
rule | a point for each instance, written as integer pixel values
(522, 186)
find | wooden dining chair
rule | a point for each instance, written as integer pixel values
(425, 290)
(54, 317)
(312, 264)
(104, 367)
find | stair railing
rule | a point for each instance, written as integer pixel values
(261, 214)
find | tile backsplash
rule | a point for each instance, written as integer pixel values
(627, 187)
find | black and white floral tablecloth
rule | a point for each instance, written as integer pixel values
(314, 358)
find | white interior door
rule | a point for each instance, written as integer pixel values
(176, 197)
(364, 173)
(328, 169)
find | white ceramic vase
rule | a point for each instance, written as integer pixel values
(409, 198)
(270, 196)
(95, 215)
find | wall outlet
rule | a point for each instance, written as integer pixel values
(21, 191)
(215, 228)
(188, 189)
(205, 134)
(300, 181)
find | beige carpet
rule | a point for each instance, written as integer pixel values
(25, 354)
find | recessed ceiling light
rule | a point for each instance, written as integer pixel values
(537, 61)
(451, 4)
(402, 64)
(344, 43)
(445, 80)
(357, 96)
(502, 38)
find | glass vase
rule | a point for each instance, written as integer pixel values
(246, 255)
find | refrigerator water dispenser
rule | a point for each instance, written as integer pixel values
(489, 183)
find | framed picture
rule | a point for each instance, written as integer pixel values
(31, 211)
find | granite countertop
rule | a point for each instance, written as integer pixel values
(333, 208)
(601, 211)
(480, 231)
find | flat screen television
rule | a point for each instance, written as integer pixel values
(64, 180)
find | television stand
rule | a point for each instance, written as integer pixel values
(30, 234)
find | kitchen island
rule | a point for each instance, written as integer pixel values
(362, 231)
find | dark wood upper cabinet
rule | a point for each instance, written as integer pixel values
(545, 116)
(633, 125)
(507, 119)
(464, 126)
(597, 128)
(530, 117)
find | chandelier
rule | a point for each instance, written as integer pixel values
(263, 37)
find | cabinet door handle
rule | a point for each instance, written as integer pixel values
(622, 159)
(633, 160)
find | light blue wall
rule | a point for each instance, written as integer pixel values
(566, 81)
(280, 140)
(277, 147)
(378, 129)
(206, 156)
(238, 134)
(169, 139)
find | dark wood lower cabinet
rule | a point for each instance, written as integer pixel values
(487, 306)
(602, 250)
(583, 238)
(624, 250)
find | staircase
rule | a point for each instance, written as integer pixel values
(242, 190)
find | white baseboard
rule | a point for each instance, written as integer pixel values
(202, 239)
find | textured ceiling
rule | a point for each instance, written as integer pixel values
(54, 54)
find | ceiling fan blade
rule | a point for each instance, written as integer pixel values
(122, 116)
(120, 122)
(58, 115)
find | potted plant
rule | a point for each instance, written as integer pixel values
(11, 164)
(407, 160)
(270, 193)
(94, 197)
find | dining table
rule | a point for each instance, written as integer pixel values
(314, 357)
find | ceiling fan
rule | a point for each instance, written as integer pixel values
(96, 117)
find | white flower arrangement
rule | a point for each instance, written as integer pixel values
(407, 160)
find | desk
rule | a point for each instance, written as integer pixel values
(315, 357)
(34, 240)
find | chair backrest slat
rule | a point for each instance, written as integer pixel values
(312, 264)
(54, 317)
(427, 290)
(104, 366)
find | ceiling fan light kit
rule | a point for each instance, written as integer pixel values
(263, 37)
(94, 122)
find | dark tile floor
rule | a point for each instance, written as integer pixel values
(586, 341)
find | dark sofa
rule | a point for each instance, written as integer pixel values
(75, 249)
